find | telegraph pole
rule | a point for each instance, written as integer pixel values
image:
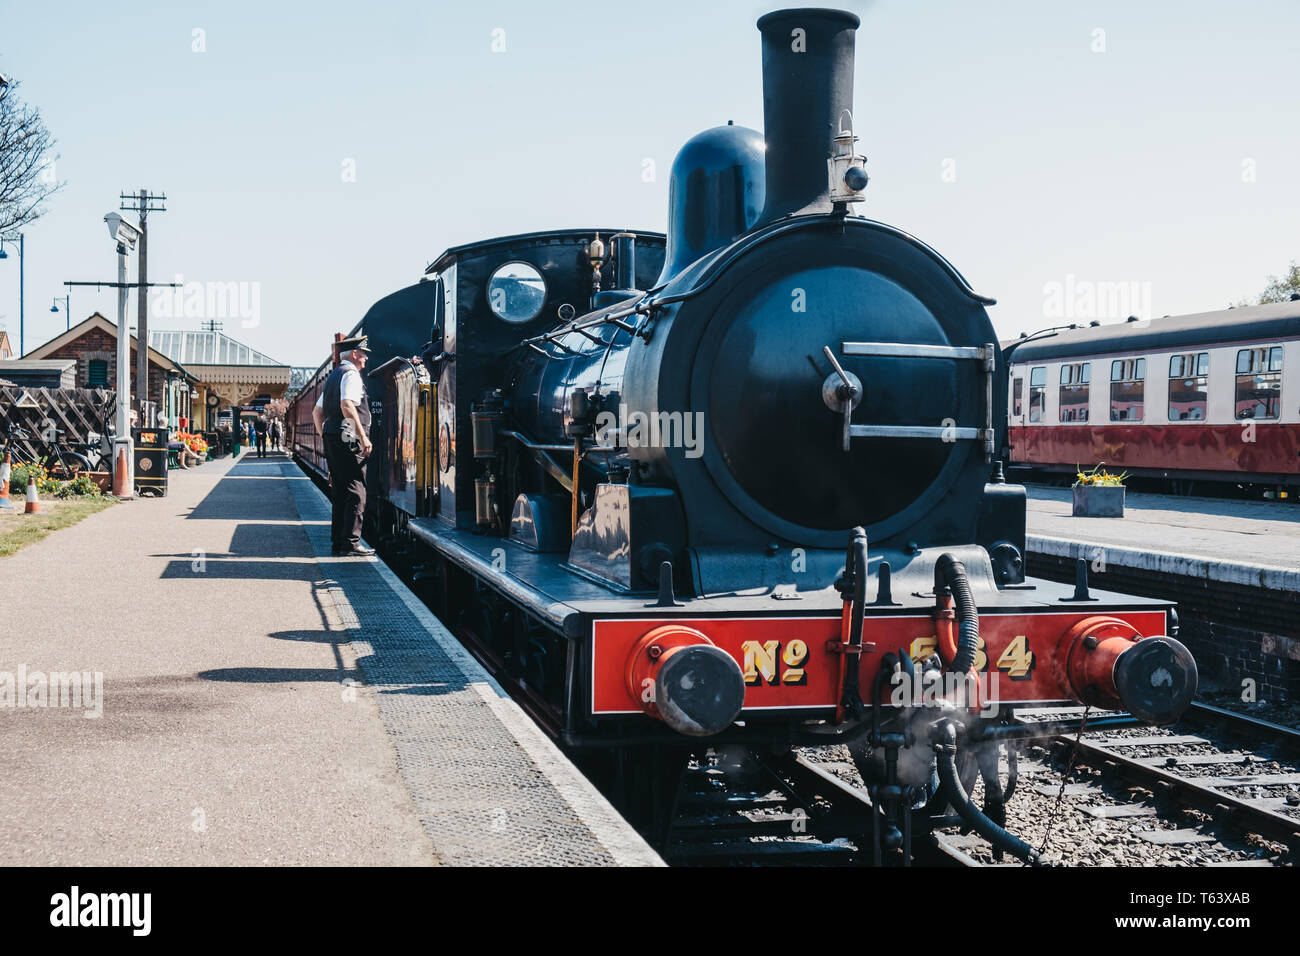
(142, 203)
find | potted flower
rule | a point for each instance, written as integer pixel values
(1099, 494)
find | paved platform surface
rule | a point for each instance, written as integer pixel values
(1245, 542)
(262, 702)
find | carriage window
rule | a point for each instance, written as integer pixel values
(1074, 391)
(1017, 396)
(1127, 386)
(516, 292)
(1259, 383)
(1188, 383)
(1037, 393)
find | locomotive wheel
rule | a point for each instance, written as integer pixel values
(475, 622)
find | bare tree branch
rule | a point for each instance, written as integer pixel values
(27, 176)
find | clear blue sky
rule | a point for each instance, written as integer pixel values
(1117, 166)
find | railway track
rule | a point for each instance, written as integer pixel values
(1238, 771)
(1218, 788)
(787, 809)
(1196, 787)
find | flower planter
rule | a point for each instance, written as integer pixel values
(103, 480)
(1098, 501)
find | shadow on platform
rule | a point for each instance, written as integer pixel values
(208, 566)
(248, 491)
(277, 675)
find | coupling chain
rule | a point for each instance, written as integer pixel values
(1065, 778)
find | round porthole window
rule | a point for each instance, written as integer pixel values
(516, 292)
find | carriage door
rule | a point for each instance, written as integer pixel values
(1015, 436)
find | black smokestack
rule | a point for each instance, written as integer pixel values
(807, 86)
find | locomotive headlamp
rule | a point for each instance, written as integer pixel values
(847, 177)
(856, 178)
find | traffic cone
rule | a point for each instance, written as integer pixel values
(121, 480)
(33, 502)
(5, 468)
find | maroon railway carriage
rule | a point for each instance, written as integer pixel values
(1207, 397)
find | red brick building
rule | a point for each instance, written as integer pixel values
(93, 344)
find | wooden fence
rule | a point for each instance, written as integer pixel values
(42, 411)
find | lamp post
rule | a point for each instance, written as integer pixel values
(67, 306)
(125, 235)
(21, 259)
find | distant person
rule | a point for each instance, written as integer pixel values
(260, 429)
(277, 435)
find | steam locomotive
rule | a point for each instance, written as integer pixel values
(736, 484)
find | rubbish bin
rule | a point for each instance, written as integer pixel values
(150, 461)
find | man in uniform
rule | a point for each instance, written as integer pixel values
(342, 418)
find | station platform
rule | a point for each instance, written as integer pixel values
(1253, 543)
(261, 701)
(1233, 567)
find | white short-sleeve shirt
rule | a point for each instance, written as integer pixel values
(349, 389)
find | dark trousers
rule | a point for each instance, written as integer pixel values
(261, 445)
(348, 491)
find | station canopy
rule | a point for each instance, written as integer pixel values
(207, 348)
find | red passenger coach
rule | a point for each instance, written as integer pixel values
(1207, 397)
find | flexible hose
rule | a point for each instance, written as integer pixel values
(995, 807)
(946, 757)
(949, 571)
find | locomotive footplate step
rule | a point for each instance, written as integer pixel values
(489, 786)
